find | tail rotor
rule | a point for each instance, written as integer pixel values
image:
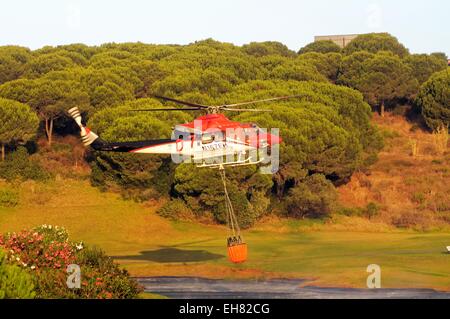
(87, 136)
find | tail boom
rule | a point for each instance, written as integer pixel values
(91, 139)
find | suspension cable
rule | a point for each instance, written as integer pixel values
(231, 218)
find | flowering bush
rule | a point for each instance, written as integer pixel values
(41, 247)
(46, 252)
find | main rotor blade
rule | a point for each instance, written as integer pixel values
(180, 102)
(245, 110)
(154, 110)
(264, 100)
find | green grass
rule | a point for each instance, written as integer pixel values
(148, 295)
(148, 245)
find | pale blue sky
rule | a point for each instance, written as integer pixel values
(422, 25)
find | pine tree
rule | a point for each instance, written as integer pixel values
(19, 123)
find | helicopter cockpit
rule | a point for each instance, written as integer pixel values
(207, 138)
(201, 138)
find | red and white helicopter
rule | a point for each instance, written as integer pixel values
(205, 141)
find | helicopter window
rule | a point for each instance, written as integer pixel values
(207, 138)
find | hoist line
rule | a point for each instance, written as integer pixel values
(231, 218)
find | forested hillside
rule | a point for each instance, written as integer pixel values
(327, 133)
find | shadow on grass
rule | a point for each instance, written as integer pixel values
(172, 255)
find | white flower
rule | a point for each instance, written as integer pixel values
(17, 258)
(79, 246)
(24, 264)
(49, 226)
(33, 267)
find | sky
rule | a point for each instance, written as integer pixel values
(422, 26)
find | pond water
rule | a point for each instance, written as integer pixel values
(196, 287)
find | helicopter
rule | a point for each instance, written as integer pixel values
(203, 141)
(209, 137)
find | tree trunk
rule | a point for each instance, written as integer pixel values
(382, 109)
(49, 130)
(3, 152)
(50, 137)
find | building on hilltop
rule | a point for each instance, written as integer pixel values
(340, 39)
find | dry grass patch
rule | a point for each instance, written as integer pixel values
(410, 179)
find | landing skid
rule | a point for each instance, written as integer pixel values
(230, 164)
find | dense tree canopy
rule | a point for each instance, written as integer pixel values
(423, 65)
(327, 64)
(267, 48)
(12, 62)
(18, 123)
(376, 42)
(434, 100)
(382, 77)
(440, 55)
(326, 131)
(49, 98)
(323, 46)
(134, 171)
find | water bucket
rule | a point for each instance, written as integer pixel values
(237, 252)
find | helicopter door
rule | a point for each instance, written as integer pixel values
(179, 145)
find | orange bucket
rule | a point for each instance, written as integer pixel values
(237, 252)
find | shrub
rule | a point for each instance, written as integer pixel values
(389, 134)
(350, 211)
(440, 139)
(401, 110)
(371, 210)
(8, 198)
(19, 166)
(245, 214)
(434, 100)
(202, 190)
(14, 281)
(418, 197)
(313, 197)
(175, 209)
(102, 278)
(42, 247)
(46, 252)
(409, 220)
